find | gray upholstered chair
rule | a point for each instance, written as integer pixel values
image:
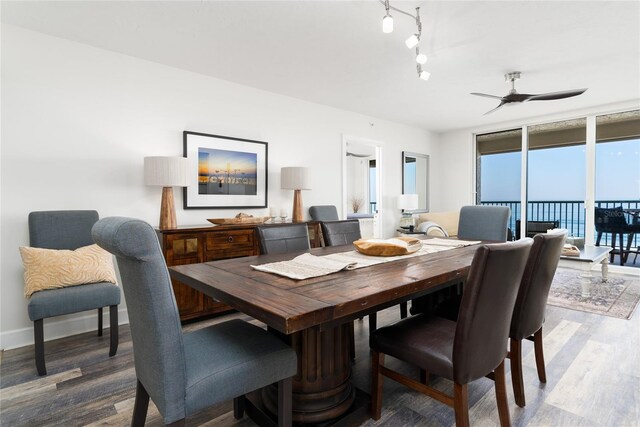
(184, 373)
(335, 233)
(281, 239)
(324, 213)
(483, 223)
(68, 230)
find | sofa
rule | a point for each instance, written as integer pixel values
(447, 220)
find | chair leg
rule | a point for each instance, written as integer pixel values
(515, 355)
(373, 322)
(501, 396)
(537, 345)
(285, 408)
(238, 407)
(38, 335)
(113, 330)
(461, 404)
(377, 359)
(424, 377)
(628, 250)
(100, 322)
(140, 406)
(613, 246)
(403, 310)
(598, 238)
(621, 249)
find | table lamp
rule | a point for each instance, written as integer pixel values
(167, 172)
(407, 202)
(296, 179)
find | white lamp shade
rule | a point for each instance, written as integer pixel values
(166, 171)
(294, 178)
(408, 202)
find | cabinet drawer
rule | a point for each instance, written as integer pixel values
(236, 240)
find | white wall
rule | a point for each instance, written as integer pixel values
(77, 122)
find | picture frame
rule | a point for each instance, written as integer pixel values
(226, 172)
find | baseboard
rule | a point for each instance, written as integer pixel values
(59, 329)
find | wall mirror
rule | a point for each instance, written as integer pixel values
(415, 178)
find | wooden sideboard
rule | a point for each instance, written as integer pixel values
(194, 244)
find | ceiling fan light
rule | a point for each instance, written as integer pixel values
(421, 58)
(424, 75)
(412, 41)
(387, 24)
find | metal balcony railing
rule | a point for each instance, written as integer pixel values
(569, 213)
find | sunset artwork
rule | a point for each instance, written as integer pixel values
(226, 172)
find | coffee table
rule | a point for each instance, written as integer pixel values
(588, 258)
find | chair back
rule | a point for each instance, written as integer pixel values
(528, 314)
(61, 229)
(482, 330)
(335, 233)
(281, 239)
(153, 314)
(324, 213)
(484, 223)
(610, 220)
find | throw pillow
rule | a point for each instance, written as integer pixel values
(51, 269)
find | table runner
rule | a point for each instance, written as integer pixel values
(306, 266)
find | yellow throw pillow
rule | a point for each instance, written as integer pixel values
(51, 269)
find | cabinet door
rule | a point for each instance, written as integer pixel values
(182, 249)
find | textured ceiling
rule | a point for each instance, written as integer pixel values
(334, 52)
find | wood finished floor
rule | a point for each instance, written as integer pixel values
(593, 373)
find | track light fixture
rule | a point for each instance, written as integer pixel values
(413, 40)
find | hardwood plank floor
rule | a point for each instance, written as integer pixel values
(593, 374)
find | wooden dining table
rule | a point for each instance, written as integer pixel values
(315, 316)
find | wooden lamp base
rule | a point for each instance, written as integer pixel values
(297, 215)
(167, 210)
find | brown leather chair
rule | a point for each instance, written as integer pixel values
(528, 314)
(472, 348)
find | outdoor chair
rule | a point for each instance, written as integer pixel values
(613, 221)
(470, 349)
(184, 373)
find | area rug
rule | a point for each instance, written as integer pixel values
(616, 298)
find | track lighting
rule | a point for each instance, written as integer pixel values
(413, 40)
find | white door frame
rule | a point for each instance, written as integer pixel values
(377, 145)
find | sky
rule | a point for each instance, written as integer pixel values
(559, 173)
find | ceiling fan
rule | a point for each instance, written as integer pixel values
(514, 97)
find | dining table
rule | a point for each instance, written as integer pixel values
(315, 316)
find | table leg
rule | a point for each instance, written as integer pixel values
(605, 269)
(585, 278)
(322, 388)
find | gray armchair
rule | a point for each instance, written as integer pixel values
(184, 373)
(484, 223)
(68, 230)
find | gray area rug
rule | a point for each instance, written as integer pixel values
(616, 298)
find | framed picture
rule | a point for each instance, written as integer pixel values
(226, 172)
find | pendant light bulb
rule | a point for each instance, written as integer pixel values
(421, 58)
(387, 24)
(424, 75)
(412, 41)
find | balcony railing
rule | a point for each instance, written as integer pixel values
(569, 213)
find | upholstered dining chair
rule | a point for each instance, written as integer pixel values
(68, 230)
(324, 213)
(185, 372)
(483, 222)
(529, 310)
(470, 349)
(281, 239)
(337, 233)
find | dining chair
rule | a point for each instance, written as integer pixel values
(483, 222)
(335, 233)
(324, 213)
(186, 372)
(281, 239)
(68, 230)
(470, 349)
(529, 310)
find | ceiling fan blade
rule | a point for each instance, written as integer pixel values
(486, 95)
(498, 107)
(557, 95)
